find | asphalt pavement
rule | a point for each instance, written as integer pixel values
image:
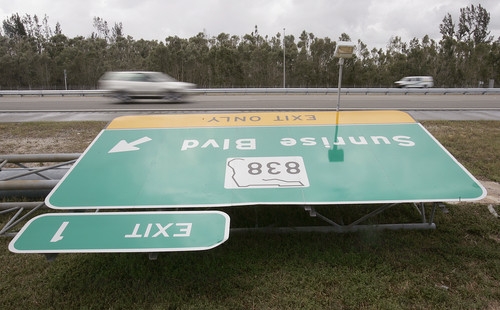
(420, 107)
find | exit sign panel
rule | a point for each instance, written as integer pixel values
(122, 232)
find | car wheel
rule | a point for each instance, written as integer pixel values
(172, 97)
(123, 97)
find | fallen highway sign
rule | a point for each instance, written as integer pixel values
(290, 158)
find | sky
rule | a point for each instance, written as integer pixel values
(373, 22)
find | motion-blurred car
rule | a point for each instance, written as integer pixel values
(128, 85)
(415, 82)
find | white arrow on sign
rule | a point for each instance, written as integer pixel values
(58, 235)
(124, 146)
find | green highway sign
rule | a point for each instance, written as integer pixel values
(122, 232)
(212, 160)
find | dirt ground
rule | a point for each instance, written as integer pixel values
(493, 196)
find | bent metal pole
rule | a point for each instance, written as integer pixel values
(341, 64)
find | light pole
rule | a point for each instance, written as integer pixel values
(65, 82)
(284, 71)
(342, 51)
(341, 65)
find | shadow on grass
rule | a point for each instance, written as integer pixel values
(389, 269)
(226, 276)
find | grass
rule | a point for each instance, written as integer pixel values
(476, 144)
(456, 266)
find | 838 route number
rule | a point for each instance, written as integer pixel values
(265, 172)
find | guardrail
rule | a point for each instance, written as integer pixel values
(278, 91)
(347, 91)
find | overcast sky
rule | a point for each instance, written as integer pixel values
(372, 21)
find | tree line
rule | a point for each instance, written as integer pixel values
(35, 56)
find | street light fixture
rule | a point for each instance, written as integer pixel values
(342, 51)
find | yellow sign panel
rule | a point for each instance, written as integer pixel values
(250, 119)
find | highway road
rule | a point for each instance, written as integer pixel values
(420, 106)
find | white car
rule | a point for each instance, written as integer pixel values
(415, 82)
(128, 85)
